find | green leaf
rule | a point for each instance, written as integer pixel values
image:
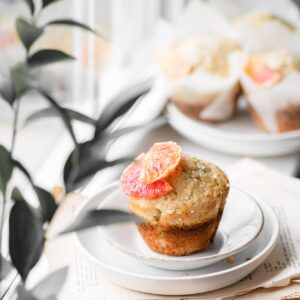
(64, 116)
(47, 203)
(21, 79)
(160, 121)
(30, 5)
(69, 167)
(98, 145)
(27, 32)
(51, 112)
(120, 105)
(26, 239)
(99, 217)
(47, 56)
(23, 294)
(5, 267)
(16, 195)
(75, 176)
(90, 167)
(6, 168)
(70, 22)
(66, 120)
(48, 2)
(18, 165)
(93, 152)
(50, 286)
(7, 93)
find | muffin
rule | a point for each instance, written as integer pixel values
(271, 84)
(182, 215)
(202, 72)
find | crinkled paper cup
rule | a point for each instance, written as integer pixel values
(275, 108)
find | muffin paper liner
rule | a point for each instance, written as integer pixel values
(268, 101)
(216, 94)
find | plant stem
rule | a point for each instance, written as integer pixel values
(13, 141)
(14, 134)
(1, 227)
(36, 17)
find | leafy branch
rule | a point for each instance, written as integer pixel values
(27, 224)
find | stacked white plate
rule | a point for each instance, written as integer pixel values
(238, 136)
(247, 234)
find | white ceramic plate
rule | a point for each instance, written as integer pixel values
(131, 273)
(238, 136)
(241, 223)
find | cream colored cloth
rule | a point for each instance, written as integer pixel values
(280, 191)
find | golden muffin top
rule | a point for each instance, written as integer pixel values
(208, 52)
(199, 190)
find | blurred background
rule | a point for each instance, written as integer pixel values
(126, 24)
(129, 27)
(133, 32)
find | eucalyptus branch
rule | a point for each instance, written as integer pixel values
(3, 209)
(26, 228)
(5, 192)
(15, 125)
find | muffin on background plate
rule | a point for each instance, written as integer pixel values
(270, 80)
(181, 197)
(203, 74)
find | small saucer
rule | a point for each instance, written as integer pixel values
(241, 223)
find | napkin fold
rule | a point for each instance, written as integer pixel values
(280, 191)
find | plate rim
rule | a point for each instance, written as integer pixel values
(186, 259)
(267, 248)
(212, 131)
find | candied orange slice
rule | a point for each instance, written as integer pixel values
(261, 73)
(160, 161)
(174, 65)
(130, 183)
